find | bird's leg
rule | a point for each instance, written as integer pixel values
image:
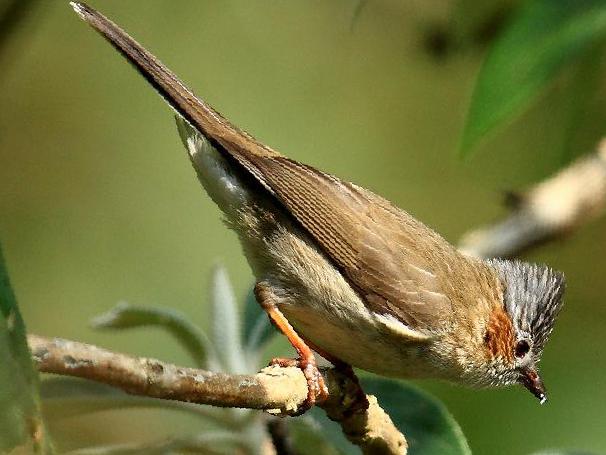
(316, 388)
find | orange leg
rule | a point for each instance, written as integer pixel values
(338, 363)
(316, 388)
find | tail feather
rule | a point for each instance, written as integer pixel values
(226, 137)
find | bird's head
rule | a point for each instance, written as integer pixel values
(516, 331)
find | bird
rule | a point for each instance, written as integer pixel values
(345, 273)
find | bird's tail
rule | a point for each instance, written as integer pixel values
(226, 137)
(219, 151)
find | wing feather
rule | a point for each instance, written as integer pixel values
(391, 259)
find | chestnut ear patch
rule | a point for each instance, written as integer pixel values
(499, 339)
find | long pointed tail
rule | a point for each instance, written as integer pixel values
(200, 115)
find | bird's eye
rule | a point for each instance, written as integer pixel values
(522, 348)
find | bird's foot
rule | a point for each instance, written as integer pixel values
(316, 386)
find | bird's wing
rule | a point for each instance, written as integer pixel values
(393, 261)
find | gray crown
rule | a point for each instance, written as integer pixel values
(533, 298)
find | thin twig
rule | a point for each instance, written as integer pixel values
(275, 389)
(547, 211)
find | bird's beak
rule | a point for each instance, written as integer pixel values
(530, 379)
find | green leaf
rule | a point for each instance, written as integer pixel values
(425, 422)
(191, 337)
(257, 329)
(584, 84)
(21, 425)
(544, 37)
(226, 323)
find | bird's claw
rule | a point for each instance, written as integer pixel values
(316, 386)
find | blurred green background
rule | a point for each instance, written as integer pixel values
(98, 202)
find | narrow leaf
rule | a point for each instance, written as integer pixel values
(21, 425)
(544, 37)
(226, 323)
(191, 337)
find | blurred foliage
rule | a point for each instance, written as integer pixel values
(21, 427)
(542, 39)
(234, 428)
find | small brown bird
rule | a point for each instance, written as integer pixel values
(343, 271)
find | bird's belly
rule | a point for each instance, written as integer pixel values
(358, 341)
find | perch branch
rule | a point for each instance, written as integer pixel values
(274, 389)
(547, 211)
